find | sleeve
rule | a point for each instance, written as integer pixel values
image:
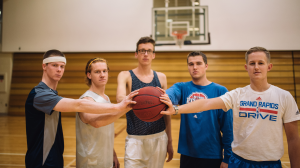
(174, 93)
(226, 122)
(46, 101)
(291, 112)
(229, 98)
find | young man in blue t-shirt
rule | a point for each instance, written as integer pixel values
(260, 112)
(200, 140)
(45, 140)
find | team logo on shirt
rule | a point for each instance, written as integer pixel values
(258, 110)
(196, 96)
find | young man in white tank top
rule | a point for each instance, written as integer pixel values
(43, 109)
(260, 110)
(95, 132)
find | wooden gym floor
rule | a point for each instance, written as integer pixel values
(13, 142)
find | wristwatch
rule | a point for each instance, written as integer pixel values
(176, 109)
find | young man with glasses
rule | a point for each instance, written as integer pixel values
(201, 143)
(147, 143)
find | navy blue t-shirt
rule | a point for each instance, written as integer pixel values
(45, 142)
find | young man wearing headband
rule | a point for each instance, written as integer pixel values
(260, 110)
(45, 143)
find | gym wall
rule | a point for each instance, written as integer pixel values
(115, 26)
(225, 68)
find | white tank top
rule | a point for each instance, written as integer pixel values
(94, 146)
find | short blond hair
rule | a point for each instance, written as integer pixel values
(258, 49)
(88, 68)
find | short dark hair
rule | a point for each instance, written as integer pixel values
(258, 49)
(197, 53)
(50, 53)
(88, 68)
(144, 40)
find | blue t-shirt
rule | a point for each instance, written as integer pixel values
(45, 142)
(200, 133)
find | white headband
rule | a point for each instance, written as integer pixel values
(55, 59)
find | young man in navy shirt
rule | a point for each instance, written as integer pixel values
(45, 141)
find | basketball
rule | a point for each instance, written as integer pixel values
(148, 105)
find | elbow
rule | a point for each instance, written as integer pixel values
(119, 99)
(96, 125)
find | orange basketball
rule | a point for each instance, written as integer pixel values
(148, 105)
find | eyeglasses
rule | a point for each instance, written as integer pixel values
(142, 51)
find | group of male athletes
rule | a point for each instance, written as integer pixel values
(219, 129)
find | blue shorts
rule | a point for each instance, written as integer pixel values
(236, 161)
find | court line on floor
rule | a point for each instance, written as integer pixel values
(23, 154)
(12, 165)
(284, 165)
(70, 163)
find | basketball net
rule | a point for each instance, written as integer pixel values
(179, 37)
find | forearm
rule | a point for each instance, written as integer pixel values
(105, 119)
(82, 105)
(202, 105)
(196, 106)
(168, 127)
(294, 152)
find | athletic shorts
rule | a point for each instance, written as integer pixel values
(146, 151)
(192, 162)
(236, 161)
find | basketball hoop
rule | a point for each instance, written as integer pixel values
(179, 37)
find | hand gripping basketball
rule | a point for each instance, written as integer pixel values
(148, 105)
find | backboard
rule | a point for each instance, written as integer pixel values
(193, 19)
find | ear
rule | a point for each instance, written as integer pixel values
(246, 67)
(136, 55)
(153, 55)
(44, 66)
(89, 75)
(270, 66)
(206, 66)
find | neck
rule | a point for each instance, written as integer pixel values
(144, 70)
(203, 81)
(49, 82)
(259, 85)
(98, 89)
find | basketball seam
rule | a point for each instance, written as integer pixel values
(158, 113)
(149, 107)
(144, 95)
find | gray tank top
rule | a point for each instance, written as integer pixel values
(94, 146)
(135, 126)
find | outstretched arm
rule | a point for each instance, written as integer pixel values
(82, 105)
(196, 106)
(292, 135)
(99, 120)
